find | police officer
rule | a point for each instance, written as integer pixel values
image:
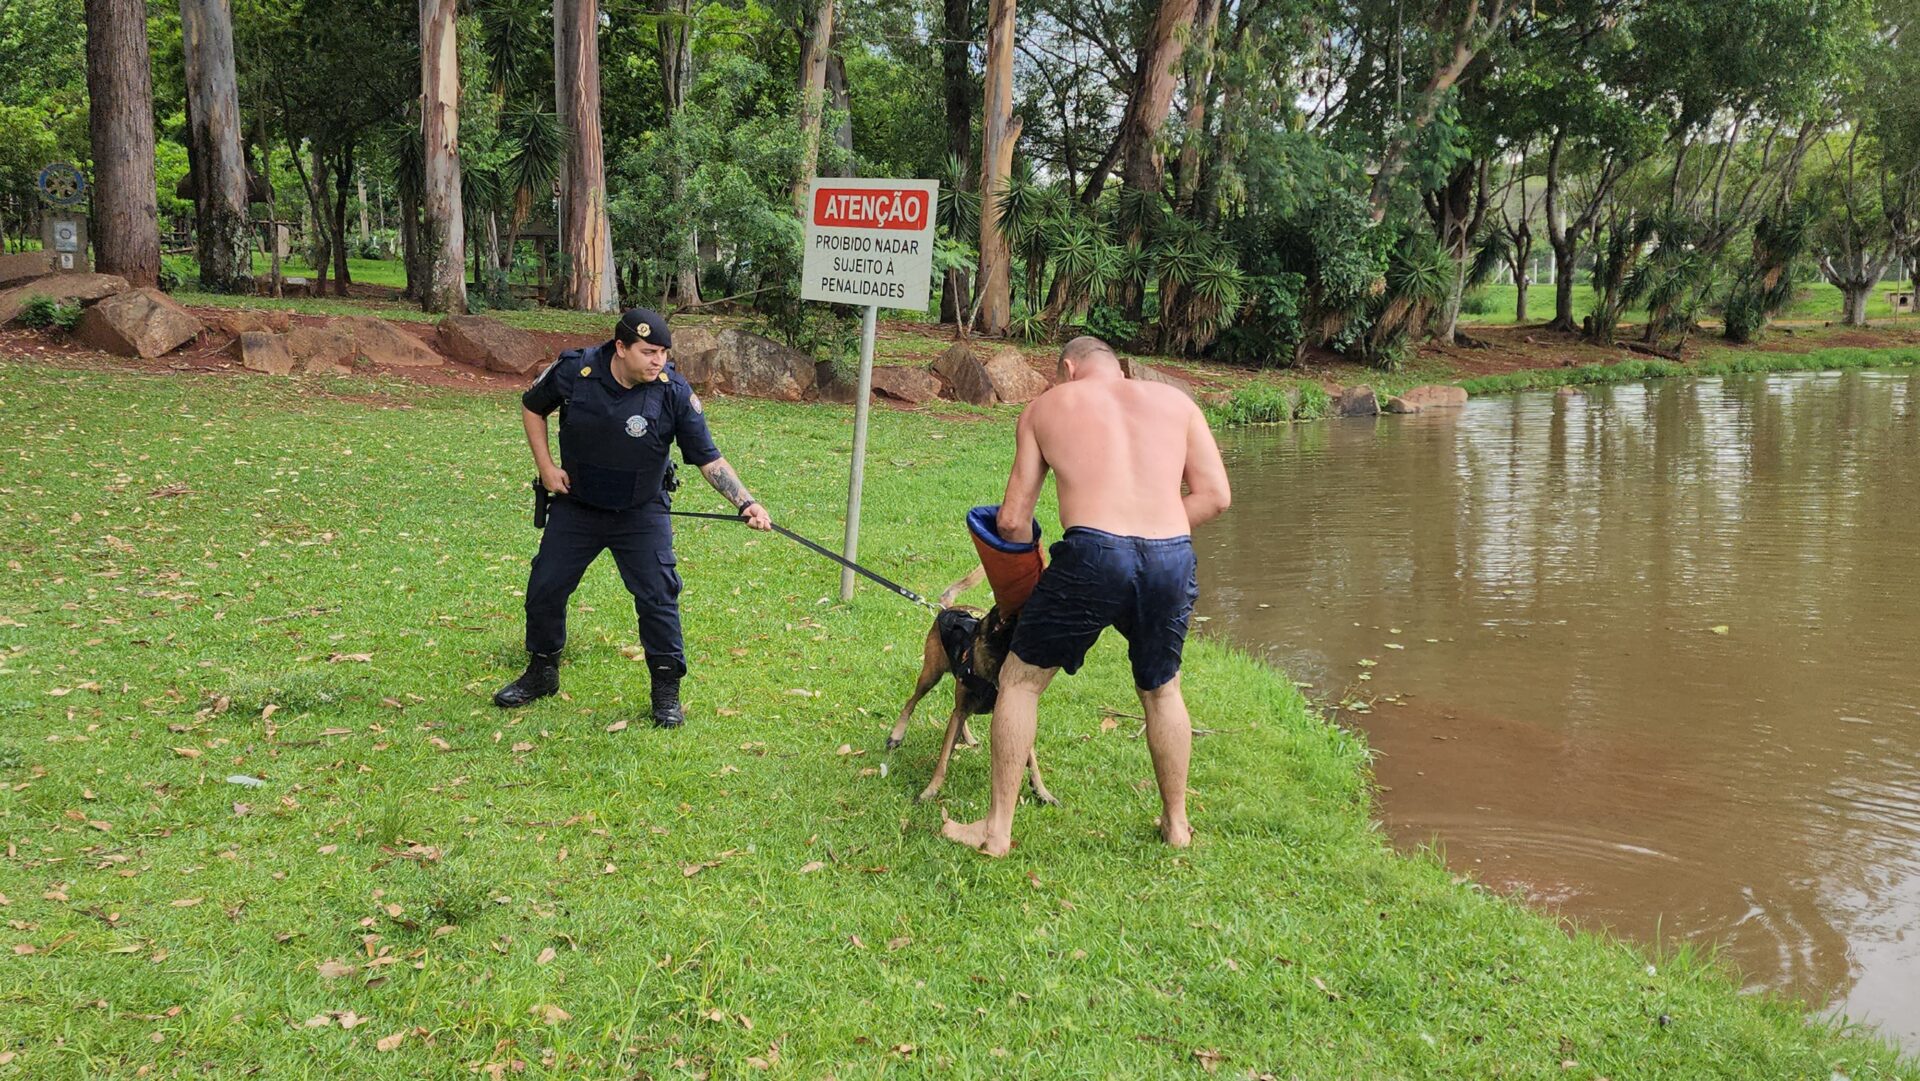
(622, 404)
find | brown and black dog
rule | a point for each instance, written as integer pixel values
(971, 645)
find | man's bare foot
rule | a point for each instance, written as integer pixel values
(975, 836)
(1178, 834)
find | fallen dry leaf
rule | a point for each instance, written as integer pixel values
(900, 943)
(811, 867)
(187, 752)
(186, 902)
(617, 726)
(1209, 1059)
(548, 1014)
(546, 956)
(522, 747)
(333, 970)
(389, 1043)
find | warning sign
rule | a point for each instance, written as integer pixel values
(870, 242)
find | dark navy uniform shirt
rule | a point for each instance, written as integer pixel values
(613, 439)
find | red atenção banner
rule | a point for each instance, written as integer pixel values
(871, 208)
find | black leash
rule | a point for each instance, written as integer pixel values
(835, 556)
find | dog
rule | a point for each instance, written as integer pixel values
(971, 645)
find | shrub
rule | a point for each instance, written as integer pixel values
(1110, 324)
(1476, 303)
(1261, 403)
(38, 311)
(1314, 402)
(1029, 327)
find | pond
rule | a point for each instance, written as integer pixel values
(1647, 656)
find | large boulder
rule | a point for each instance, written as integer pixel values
(966, 375)
(692, 350)
(1151, 374)
(138, 323)
(326, 348)
(1435, 396)
(1399, 406)
(757, 367)
(911, 385)
(24, 264)
(240, 321)
(490, 344)
(1357, 402)
(61, 287)
(262, 352)
(1013, 379)
(386, 344)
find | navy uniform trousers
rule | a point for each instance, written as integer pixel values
(641, 540)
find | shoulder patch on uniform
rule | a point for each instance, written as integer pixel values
(695, 399)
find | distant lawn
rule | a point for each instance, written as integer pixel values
(1813, 301)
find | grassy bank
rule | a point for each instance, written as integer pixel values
(214, 577)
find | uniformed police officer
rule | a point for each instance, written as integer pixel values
(622, 404)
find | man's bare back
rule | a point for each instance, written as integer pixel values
(1119, 450)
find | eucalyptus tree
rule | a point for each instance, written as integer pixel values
(126, 216)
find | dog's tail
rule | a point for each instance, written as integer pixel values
(973, 578)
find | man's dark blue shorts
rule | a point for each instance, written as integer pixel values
(1142, 588)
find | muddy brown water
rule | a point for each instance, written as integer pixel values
(1648, 656)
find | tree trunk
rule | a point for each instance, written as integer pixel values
(1199, 92)
(342, 188)
(585, 237)
(1565, 258)
(126, 214)
(1853, 303)
(366, 232)
(410, 245)
(444, 247)
(1146, 112)
(219, 166)
(562, 108)
(1000, 130)
(957, 86)
(676, 75)
(1467, 38)
(813, 96)
(320, 254)
(840, 102)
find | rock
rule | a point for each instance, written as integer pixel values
(1013, 379)
(1357, 402)
(490, 344)
(1399, 405)
(25, 264)
(1565, 393)
(61, 287)
(831, 387)
(1222, 397)
(321, 349)
(757, 367)
(138, 323)
(1434, 396)
(1148, 373)
(385, 344)
(966, 375)
(240, 321)
(692, 352)
(263, 352)
(912, 385)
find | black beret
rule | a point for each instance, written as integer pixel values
(643, 325)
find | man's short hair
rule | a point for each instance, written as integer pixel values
(1085, 348)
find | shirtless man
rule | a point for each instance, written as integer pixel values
(1120, 449)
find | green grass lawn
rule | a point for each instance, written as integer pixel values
(238, 576)
(1813, 301)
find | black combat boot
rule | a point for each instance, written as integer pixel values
(666, 701)
(541, 679)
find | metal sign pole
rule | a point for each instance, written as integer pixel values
(857, 475)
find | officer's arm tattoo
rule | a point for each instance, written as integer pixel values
(726, 482)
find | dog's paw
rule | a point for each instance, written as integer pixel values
(1045, 797)
(927, 795)
(893, 743)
